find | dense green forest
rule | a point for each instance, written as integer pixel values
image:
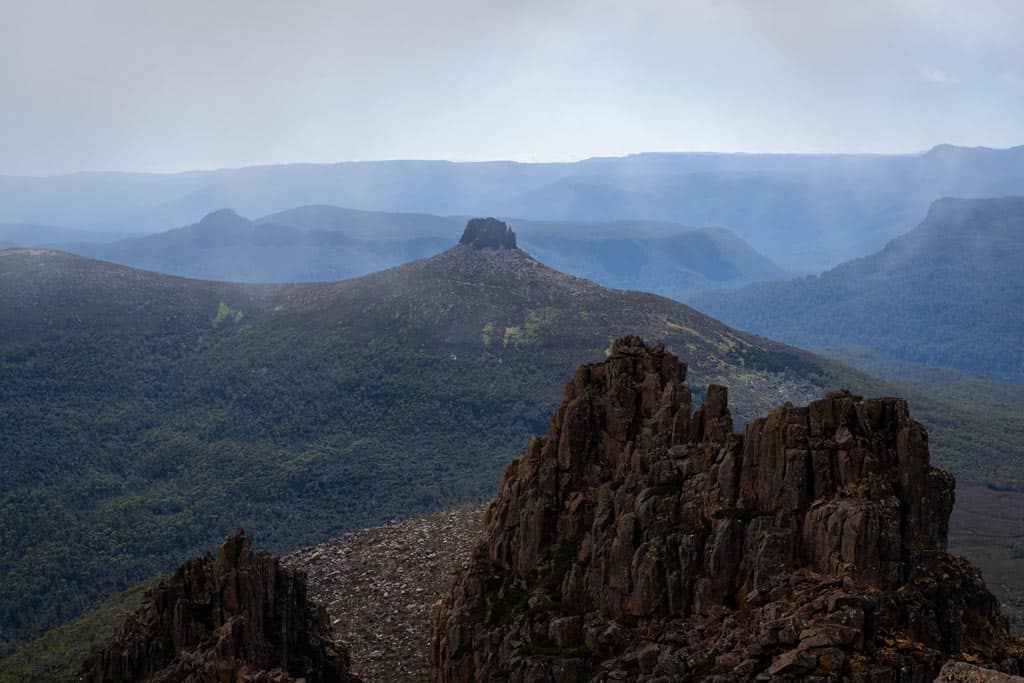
(945, 294)
(55, 656)
(199, 436)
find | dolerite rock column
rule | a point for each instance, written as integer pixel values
(488, 233)
(639, 541)
(239, 616)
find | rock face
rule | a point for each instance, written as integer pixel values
(238, 617)
(488, 233)
(640, 541)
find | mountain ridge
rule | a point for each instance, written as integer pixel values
(323, 243)
(943, 294)
(805, 212)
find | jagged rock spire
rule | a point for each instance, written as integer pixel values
(239, 616)
(638, 541)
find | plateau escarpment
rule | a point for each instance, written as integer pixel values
(638, 541)
(239, 616)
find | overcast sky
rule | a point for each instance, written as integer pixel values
(183, 84)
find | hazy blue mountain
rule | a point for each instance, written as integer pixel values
(321, 243)
(675, 265)
(948, 293)
(805, 212)
(31, 235)
(225, 246)
(368, 225)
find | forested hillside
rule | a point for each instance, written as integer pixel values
(945, 294)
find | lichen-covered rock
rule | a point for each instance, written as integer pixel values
(640, 541)
(237, 617)
(961, 672)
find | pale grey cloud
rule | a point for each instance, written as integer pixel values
(165, 85)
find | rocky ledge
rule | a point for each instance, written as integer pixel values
(239, 617)
(639, 541)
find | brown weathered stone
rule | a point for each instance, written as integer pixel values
(812, 544)
(238, 617)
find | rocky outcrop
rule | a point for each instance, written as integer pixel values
(961, 672)
(641, 541)
(237, 617)
(488, 233)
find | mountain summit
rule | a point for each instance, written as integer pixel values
(223, 218)
(488, 233)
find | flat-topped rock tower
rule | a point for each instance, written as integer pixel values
(488, 233)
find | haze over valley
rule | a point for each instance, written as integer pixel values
(805, 212)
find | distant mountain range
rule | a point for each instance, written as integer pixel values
(805, 212)
(948, 293)
(325, 243)
(30, 235)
